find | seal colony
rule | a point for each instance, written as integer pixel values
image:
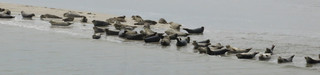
(120, 26)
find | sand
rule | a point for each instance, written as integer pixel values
(17, 8)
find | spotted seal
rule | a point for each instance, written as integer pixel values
(246, 55)
(27, 15)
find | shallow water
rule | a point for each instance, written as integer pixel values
(289, 24)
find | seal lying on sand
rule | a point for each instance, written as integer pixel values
(98, 29)
(84, 19)
(246, 55)
(184, 42)
(72, 14)
(134, 36)
(5, 16)
(145, 22)
(111, 32)
(175, 26)
(68, 19)
(285, 60)
(100, 23)
(137, 18)
(49, 16)
(120, 18)
(196, 30)
(309, 60)
(237, 50)
(120, 26)
(173, 31)
(59, 23)
(27, 15)
(147, 31)
(96, 36)
(162, 21)
(217, 46)
(165, 41)
(5, 11)
(155, 38)
(197, 45)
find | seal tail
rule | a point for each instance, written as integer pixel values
(291, 58)
(272, 47)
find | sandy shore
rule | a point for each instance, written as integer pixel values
(17, 8)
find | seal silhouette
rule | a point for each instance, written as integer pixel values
(196, 30)
(310, 60)
(285, 60)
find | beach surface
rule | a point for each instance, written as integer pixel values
(32, 47)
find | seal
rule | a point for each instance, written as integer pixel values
(196, 30)
(205, 41)
(96, 36)
(120, 18)
(246, 55)
(134, 36)
(84, 19)
(175, 26)
(100, 23)
(265, 56)
(5, 11)
(2, 15)
(182, 42)
(151, 22)
(49, 16)
(173, 31)
(72, 14)
(165, 41)
(197, 45)
(309, 60)
(137, 18)
(202, 50)
(120, 26)
(111, 32)
(285, 60)
(173, 36)
(217, 46)
(123, 33)
(147, 31)
(68, 19)
(27, 15)
(237, 50)
(98, 29)
(216, 52)
(155, 38)
(270, 50)
(162, 21)
(59, 23)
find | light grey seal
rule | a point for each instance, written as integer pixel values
(27, 15)
(162, 21)
(72, 14)
(237, 50)
(59, 23)
(246, 55)
(49, 16)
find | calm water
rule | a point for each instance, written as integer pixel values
(34, 47)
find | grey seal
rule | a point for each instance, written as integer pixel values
(5, 11)
(216, 46)
(309, 60)
(162, 21)
(196, 30)
(197, 45)
(285, 60)
(2, 15)
(270, 50)
(84, 19)
(111, 32)
(137, 18)
(100, 23)
(265, 56)
(246, 55)
(155, 38)
(184, 42)
(175, 26)
(68, 19)
(237, 50)
(72, 14)
(59, 23)
(173, 31)
(216, 52)
(27, 15)
(165, 41)
(49, 16)
(120, 26)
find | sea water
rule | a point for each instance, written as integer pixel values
(35, 47)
